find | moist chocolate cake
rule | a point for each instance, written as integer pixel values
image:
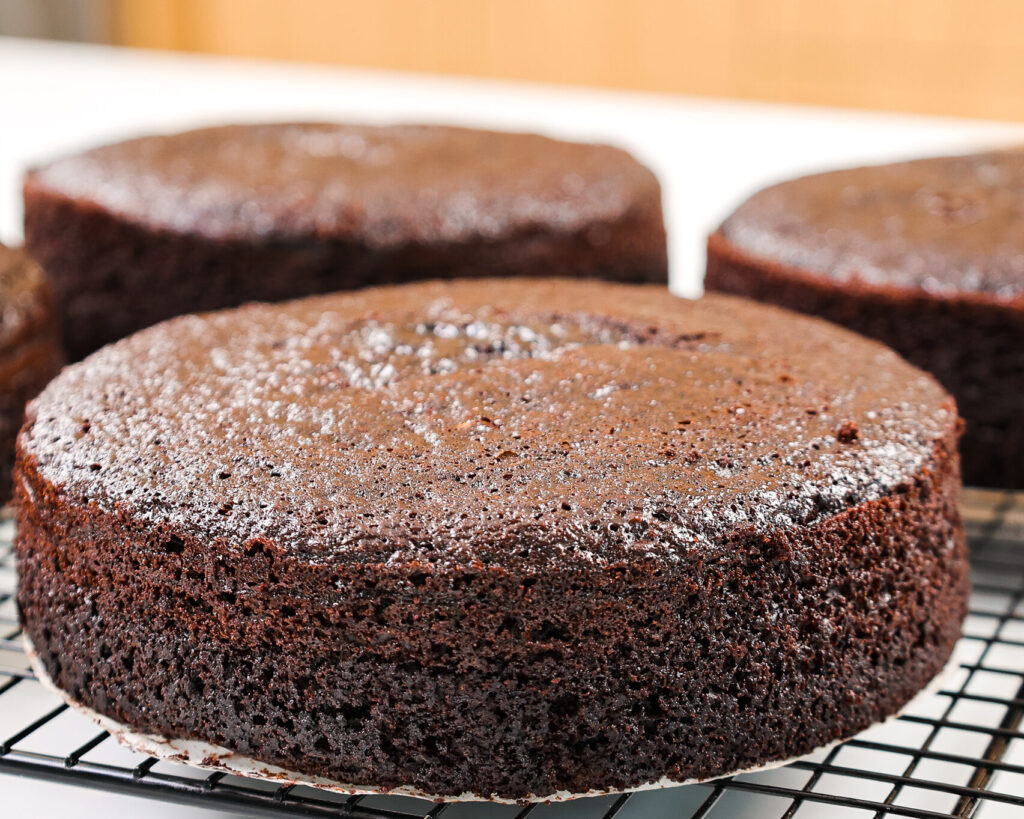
(29, 349)
(926, 256)
(137, 232)
(504, 538)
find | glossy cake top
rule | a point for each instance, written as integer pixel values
(384, 185)
(24, 303)
(945, 225)
(551, 422)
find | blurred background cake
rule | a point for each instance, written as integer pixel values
(133, 233)
(29, 348)
(926, 256)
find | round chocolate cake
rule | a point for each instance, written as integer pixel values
(506, 539)
(29, 349)
(133, 233)
(926, 256)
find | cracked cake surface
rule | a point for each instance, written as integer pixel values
(507, 537)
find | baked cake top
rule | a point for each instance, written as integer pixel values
(382, 185)
(24, 301)
(945, 225)
(546, 421)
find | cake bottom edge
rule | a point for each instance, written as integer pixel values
(199, 754)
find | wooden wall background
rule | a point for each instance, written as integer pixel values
(961, 57)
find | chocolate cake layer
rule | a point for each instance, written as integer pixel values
(508, 537)
(133, 233)
(926, 256)
(29, 349)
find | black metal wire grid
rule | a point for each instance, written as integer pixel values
(959, 753)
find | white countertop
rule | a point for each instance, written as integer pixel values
(708, 154)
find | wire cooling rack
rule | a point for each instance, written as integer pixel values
(960, 753)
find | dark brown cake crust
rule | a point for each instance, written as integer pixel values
(137, 232)
(925, 256)
(29, 349)
(586, 538)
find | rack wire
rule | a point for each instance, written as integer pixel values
(960, 753)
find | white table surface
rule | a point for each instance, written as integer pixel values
(709, 154)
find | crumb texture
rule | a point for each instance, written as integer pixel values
(506, 537)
